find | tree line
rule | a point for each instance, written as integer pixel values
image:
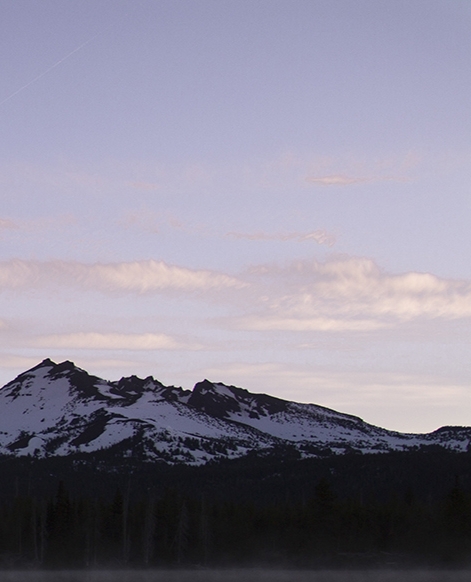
(178, 529)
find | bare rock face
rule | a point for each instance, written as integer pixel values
(60, 409)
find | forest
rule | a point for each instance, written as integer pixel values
(394, 510)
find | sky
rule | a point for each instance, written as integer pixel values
(273, 194)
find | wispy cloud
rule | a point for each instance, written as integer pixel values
(39, 224)
(338, 180)
(7, 224)
(348, 172)
(111, 341)
(95, 182)
(149, 276)
(350, 294)
(273, 323)
(131, 277)
(341, 294)
(146, 220)
(350, 180)
(321, 237)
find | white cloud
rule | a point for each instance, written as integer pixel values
(149, 276)
(350, 294)
(268, 323)
(16, 274)
(111, 341)
(342, 294)
(132, 277)
(337, 180)
(321, 237)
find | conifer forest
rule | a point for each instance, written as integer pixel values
(360, 511)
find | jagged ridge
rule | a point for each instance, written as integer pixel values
(60, 409)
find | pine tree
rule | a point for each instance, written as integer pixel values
(181, 538)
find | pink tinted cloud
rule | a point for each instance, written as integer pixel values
(38, 224)
(126, 277)
(7, 224)
(112, 341)
(343, 293)
(339, 180)
(351, 294)
(321, 237)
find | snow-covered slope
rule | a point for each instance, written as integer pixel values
(59, 409)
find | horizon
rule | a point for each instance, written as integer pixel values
(273, 194)
(215, 383)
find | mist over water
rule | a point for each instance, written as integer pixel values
(256, 575)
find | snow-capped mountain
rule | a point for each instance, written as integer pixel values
(60, 409)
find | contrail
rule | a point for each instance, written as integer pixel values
(54, 66)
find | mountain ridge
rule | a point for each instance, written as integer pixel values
(60, 409)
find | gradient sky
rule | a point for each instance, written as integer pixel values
(271, 194)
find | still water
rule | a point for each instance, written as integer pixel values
(238, 576)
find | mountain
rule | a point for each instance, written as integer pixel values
(60, 409)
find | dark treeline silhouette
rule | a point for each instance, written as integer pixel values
(178, 530)
(375, 510)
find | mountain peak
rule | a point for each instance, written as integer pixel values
(214, 399)
(59, 409)
(46, 362)
(66, 365)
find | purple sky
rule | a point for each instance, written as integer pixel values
(272, 194)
